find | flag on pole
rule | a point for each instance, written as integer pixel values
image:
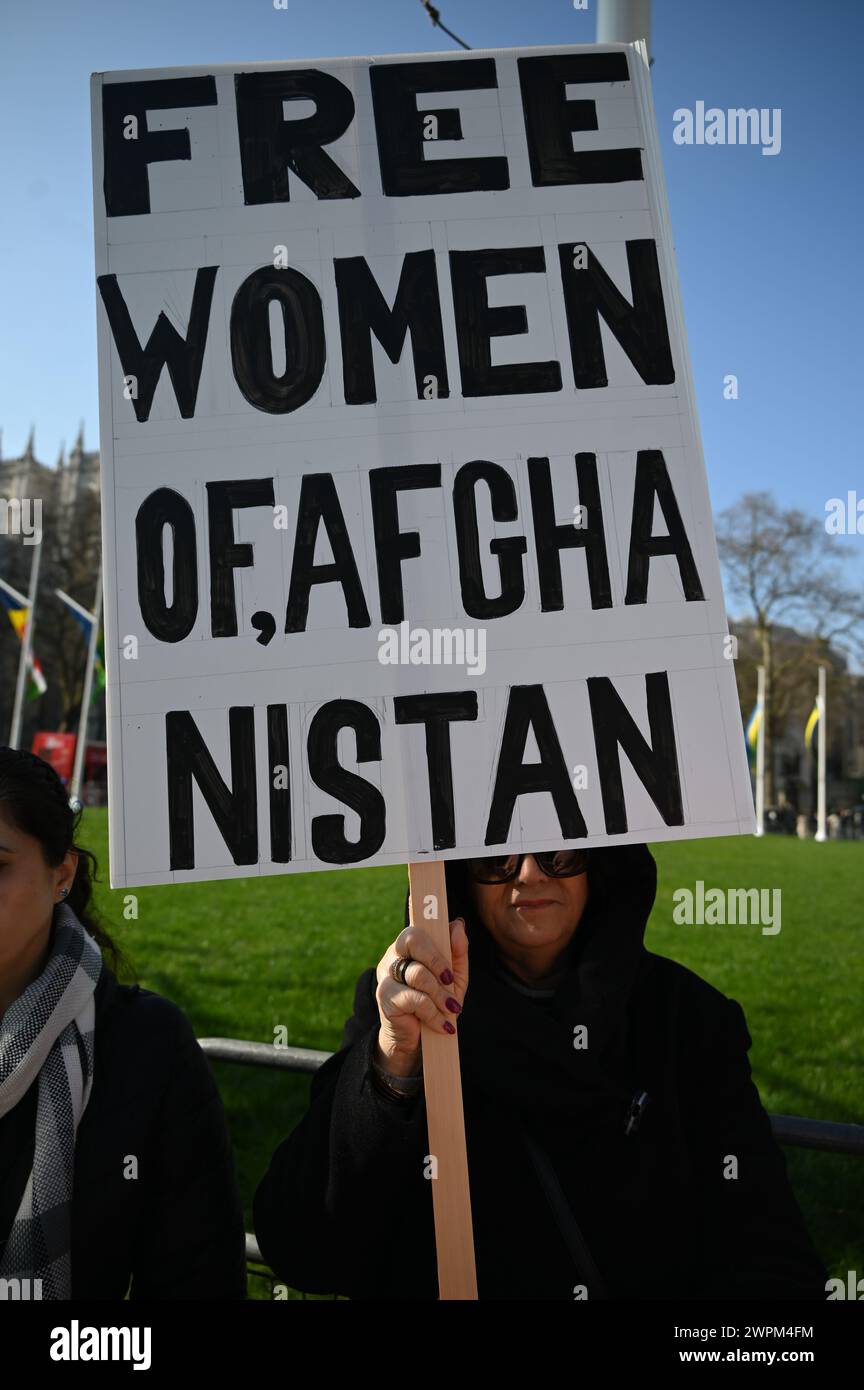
(815, 716)
(85, 619)
(752, 734)
(38, 684)
(18, 608)
(82, 616)
(99, 669)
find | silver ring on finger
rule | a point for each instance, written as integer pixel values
(398, 968)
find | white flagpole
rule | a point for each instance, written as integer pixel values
(624, 21)
(820, 785)
(26, 649)
(83, 718)
(20, 599)
(72, 603)
(760, 751)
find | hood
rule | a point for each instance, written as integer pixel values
(622, 883)
(507, 1041)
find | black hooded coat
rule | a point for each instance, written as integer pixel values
(345, 1206)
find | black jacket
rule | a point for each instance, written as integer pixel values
(177, 1229)
(345, 1206)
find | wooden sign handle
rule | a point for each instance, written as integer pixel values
(442, 1079)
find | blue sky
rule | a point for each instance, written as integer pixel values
(768, 246)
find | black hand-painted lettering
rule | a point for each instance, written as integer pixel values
(279, 756)
(551, 118)
(653, 481)
(640, 327)
(319, 502)
(528, 711)
(226, 555)
(165, 347)
(436, 713)
(305, 346)
(502, 495)
(235, 811)
(550, 539)
(477, 323)
(162, 508)
(363, 310)
(392, 546)
(270, 144)
(328, 832)
(655, 764)
(399, 128)
(125, 181)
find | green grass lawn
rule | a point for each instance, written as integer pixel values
(244, 956)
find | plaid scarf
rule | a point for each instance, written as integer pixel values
(47, 1034)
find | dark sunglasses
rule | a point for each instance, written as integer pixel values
(503, 868)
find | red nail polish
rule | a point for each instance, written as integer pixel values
(446, 977)
(449, 1027)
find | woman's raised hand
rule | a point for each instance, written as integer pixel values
(433, 993)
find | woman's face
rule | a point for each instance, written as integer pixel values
(532, 910)
(28, 892)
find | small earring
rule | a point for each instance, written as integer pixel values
(64, 892)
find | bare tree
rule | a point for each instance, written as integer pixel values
(782, 566)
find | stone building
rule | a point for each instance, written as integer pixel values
(65, 490)
(75, 479)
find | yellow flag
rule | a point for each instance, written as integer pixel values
(811, 724)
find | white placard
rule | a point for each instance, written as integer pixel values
(408, 542)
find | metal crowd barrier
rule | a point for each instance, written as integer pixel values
(792, 1130)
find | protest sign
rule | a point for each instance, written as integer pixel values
(408, 543)
(407, 534)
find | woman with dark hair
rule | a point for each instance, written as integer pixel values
(617, 1146)
(116, 1169)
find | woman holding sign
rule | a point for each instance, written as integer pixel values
(617, 1146)
(115, 1159)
